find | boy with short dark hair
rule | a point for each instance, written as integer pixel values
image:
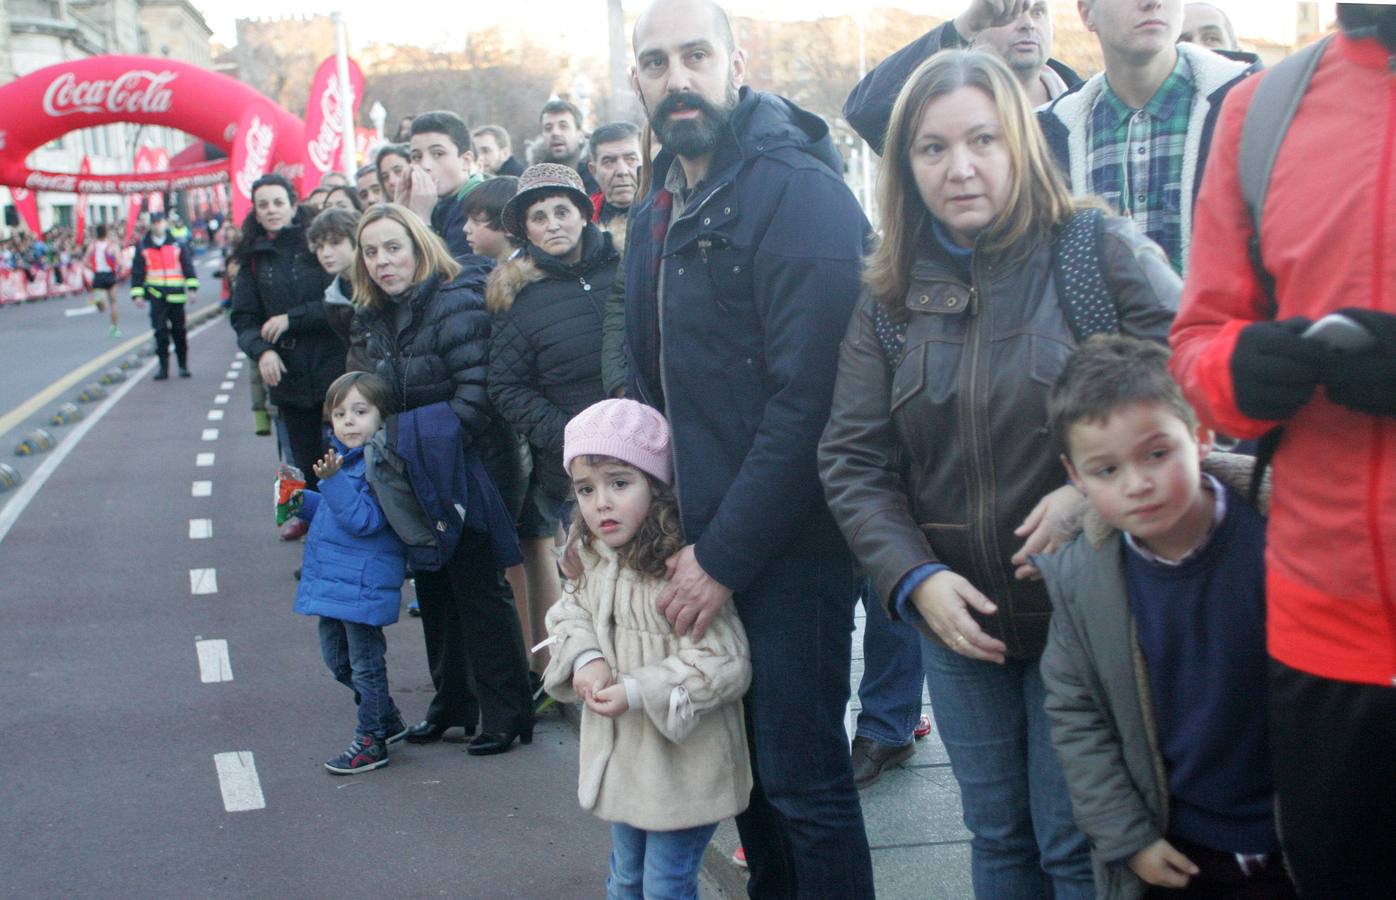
(443, 172)
(484, 223)
(1155, 662)
(333, 238)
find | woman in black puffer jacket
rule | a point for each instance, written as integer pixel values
(278, 312)
(545, 356)
(420, 322)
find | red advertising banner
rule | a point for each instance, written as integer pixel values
(252, 154)
(324, 121)
(80, 226)
(96, 90)
(28, 205)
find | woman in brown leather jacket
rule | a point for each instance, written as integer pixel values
(937, 461)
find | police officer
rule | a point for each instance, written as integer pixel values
(163, 273)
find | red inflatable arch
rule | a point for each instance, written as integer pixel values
(49, 103)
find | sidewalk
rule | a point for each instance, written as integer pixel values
(920, 846)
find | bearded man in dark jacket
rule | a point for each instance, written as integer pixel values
(742, 269)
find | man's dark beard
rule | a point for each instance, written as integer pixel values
(691, 138)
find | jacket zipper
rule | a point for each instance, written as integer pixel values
(978, 452)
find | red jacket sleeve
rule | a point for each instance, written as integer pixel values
(1221, 295)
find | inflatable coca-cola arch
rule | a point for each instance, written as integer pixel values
(257, 135)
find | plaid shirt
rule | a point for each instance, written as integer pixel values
(1135, 158)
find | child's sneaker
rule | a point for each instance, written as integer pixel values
(365, 753)
(923, 727)
(395, 729)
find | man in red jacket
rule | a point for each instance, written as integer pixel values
(1327, 229)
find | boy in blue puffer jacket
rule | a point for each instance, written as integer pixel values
(353, 570)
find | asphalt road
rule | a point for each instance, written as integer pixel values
(113, 741)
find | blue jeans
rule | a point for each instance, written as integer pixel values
(994, 725)
(890, 692)
(354, 654)
(656, 865)
(803, 831)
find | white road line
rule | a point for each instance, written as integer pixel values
(230, 375)
(214, 665)
(80, 311)
(200, 529)
(204, 460)
(240, 355)
(201, 489)
(215, 415)
(21, 499)
(221, 399)
(210, 434)
(237, 779)
(235, 364)
(203, 581)
(225, 385)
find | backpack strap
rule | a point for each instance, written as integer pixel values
(891, 336)
(1273, 105)
(1079, 272)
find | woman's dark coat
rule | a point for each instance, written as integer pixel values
(280, 275)
(545, 356)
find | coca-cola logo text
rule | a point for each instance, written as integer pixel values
(324, 146)
(137, 91)
(257, 144)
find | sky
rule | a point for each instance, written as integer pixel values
(1270, 19)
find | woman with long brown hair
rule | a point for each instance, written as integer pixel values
(936, 460)
(420, 322)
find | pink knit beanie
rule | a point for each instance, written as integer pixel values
(629, 431)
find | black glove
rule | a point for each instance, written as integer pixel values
(1274, 370)
(1366, 381)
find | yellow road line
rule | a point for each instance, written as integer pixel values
(50, 393)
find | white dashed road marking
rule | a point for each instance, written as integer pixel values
(230, 374)
(200, 529)
(225, 385)
(214, 665)
(221, 399)
(215, 415)
(237, 779)
(210, 434)
(201, 489)
(203, 581)
(204, 460)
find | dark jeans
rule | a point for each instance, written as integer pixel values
(1220, 877)
(890, 692)
(993, 721)
(1332, 743)
(471, 629)
(168, 321)
(305, 429)
(355, 654)
(803, 831)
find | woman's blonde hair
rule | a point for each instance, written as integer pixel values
(432, 256)
(659, 536)
(1038, 197)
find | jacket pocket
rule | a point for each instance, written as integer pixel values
(910, 377)
(1047, 358)
(729, 271)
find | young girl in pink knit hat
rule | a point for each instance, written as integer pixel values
(663, 749)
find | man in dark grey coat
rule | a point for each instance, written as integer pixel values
(743, 264)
